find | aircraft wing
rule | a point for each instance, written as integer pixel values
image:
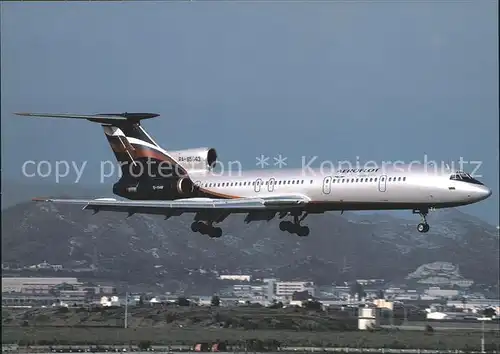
(188, 205)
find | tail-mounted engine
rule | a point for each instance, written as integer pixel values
(184, 186)
(196, 160)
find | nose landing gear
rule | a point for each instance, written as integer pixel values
(423, 226)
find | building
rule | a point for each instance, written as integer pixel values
(365, 282)
(34, 285)
(235, 277)
(271, 288)
(288, 288)
(368, 318)
(441, 293)
(475, 305)
(384, 304)
(110, 301)
(247, 290)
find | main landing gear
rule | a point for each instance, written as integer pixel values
(423, 227)
(295, 227)
(206, 229)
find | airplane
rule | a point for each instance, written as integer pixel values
(179, 182)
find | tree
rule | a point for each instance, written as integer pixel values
(144, 345)
(276, 305)
(312, 305)
(301, 295)
(215, 300)
(357, 289)
(182, 301)
(489, 312)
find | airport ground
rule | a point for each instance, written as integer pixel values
(237, 339)
(241, 329)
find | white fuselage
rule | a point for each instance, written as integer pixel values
(402, 188)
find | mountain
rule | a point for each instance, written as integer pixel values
(149, 249)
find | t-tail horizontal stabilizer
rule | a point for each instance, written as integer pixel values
(103, 118)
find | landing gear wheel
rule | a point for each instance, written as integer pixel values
(215, 232)
(286, 226)
(196, 226)
(423, 227)
(303, 231)
(294, 227)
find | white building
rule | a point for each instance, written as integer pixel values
(235, 277)
(437, 316)
(110, 301)
(288, 288)
(368, 318)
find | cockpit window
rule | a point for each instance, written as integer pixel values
(464, 177)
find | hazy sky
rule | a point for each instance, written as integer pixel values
(378, 80)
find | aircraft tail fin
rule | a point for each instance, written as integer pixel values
(136, 152)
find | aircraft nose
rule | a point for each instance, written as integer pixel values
(487, 192)
(483, 192)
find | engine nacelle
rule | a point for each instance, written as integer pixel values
(184, 186)
(200, 159)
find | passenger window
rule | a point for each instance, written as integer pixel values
(371, 179)
(311, 181)
(375, 180)
(404, 178)
(399, 178)
(302, 182)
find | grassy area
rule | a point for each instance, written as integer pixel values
(188, 326)
(182, 317)
(162, 336)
